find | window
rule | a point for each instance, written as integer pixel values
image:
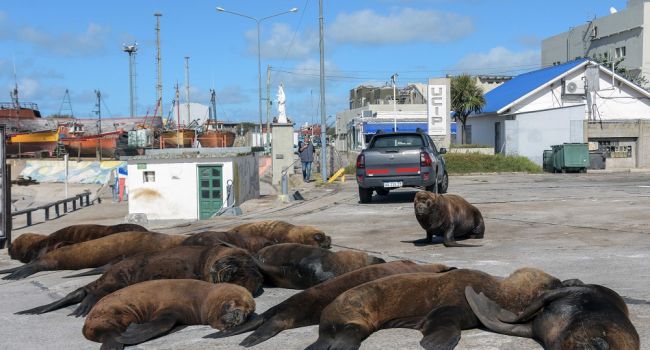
(148, 176)
(621, 52)
(390, 141)
(613, 149)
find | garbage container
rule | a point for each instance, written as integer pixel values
(596, 160)
(570, 157)
(547, 161)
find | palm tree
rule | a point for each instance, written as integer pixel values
(466, 98)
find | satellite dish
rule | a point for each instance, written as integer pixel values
(571, 87)
(613, 10)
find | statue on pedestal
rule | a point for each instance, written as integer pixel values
(282, 112)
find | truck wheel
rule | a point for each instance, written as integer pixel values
(365, 195)
(444, 184)
(430, 188)
(383, 192)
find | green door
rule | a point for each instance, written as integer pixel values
(210, 187)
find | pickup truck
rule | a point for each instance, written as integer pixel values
(400, 159)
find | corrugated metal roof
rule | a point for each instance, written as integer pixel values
(523, 84)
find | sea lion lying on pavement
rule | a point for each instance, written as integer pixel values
(433, 303)
(29, 246)
(145, 310)
(304, 309)
(299, 266)
(284, 232)
(449, 216)
(208, 238)
(216, 264)
(97, 252)
(578, 317)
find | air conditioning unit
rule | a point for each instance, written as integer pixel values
(574, 87)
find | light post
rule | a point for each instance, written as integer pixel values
(259, 59)
(393, 78)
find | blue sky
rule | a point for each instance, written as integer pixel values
(76, 45)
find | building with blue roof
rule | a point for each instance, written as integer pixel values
(578, 101)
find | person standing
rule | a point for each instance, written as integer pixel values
(306, 152)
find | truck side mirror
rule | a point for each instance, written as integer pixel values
(443, 151)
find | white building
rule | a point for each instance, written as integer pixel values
(579, 101)
(191, 184)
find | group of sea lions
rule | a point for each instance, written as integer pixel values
(152, 282)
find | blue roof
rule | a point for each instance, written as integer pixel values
(372, 128)
(521, 85)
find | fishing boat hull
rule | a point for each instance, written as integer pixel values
(88, 146)
(211, 139)
(177, 139)
(34, 143)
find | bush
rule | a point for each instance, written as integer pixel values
(482, 163)
(351, 169)
(469, 146)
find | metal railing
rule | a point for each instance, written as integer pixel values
(83, 200)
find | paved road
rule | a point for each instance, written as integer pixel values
(588, 226)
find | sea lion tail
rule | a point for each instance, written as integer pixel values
(96, 271)
(72, 298)
(253, 323)
(488, 313)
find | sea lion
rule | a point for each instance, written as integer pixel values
(207, 238)
(578, 317)
(29, 246)
(299, 266)
(304, 309)
(97, 252)
(145, 310)
(216, 264)
(432, 303)
(449, 216)
(284, 232)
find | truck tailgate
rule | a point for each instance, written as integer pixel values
(392, 162)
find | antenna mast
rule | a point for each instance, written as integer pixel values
(64, 102)
(131, 50)
(159, 87)
(187, 88)
(14, 92)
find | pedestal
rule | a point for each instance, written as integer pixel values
(282, 146)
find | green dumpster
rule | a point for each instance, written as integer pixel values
(547, 161)
(570, 157)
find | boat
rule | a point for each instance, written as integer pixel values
(180, 138)
(88, 145)
(36, 143)
(213, 134)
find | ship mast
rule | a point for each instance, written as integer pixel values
(187, 88)
(159, 87)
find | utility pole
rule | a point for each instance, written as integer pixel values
(98, 104)
(268, 106)
(323, 126)
(187, 88)
(159, 87)
(131, 50)
(393, 78)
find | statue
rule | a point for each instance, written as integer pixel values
(282, 112)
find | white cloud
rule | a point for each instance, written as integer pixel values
(303, 76)
(92, 41)
(400, 26)
(283, 42)
(499, 60)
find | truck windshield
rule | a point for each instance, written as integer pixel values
(393, 141)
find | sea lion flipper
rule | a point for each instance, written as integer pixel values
(441, 328)
(10, 270)
(443, 338)
(139, 332)
(85, 305)
(96, 271)
(488, 313)
(72, 298)
(111, 344)
(21, 272)
(263, 333)
(253, 323)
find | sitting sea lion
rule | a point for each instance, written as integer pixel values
(216, 264)
(97, 252)
(145, 310)
(578, 317)
(433, 303)
(207, 238)
(299, 266)
(284, 232)
(304, 309)
(449, 216)
(29, 246)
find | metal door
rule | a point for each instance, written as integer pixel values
(210, 190)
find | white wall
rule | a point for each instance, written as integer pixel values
(174, 193)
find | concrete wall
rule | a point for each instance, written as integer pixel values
(83, 172)
(627, 132)
(282, 150)
(247, 179)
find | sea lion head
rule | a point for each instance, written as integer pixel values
(424, 202)
(310, 235)
(26, 247)
(527, 284)
(233, 265)
(228, 306)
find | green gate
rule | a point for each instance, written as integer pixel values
(210, 190)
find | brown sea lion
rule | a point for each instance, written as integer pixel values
(145, 310)
(299, 266)
(304, 309)
(449, 216)
(215, 264)
(433, 303)
(29, 246)
(97, 252)
(207, 238)
(578, 317)
(284, 232)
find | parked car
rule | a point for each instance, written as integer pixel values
(400, 159)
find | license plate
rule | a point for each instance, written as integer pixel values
(393, 184)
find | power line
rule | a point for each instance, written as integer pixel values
(302, 14)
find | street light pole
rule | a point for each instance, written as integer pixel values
(393, 78)
(259, 58)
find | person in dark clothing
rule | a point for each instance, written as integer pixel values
(306, 151)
